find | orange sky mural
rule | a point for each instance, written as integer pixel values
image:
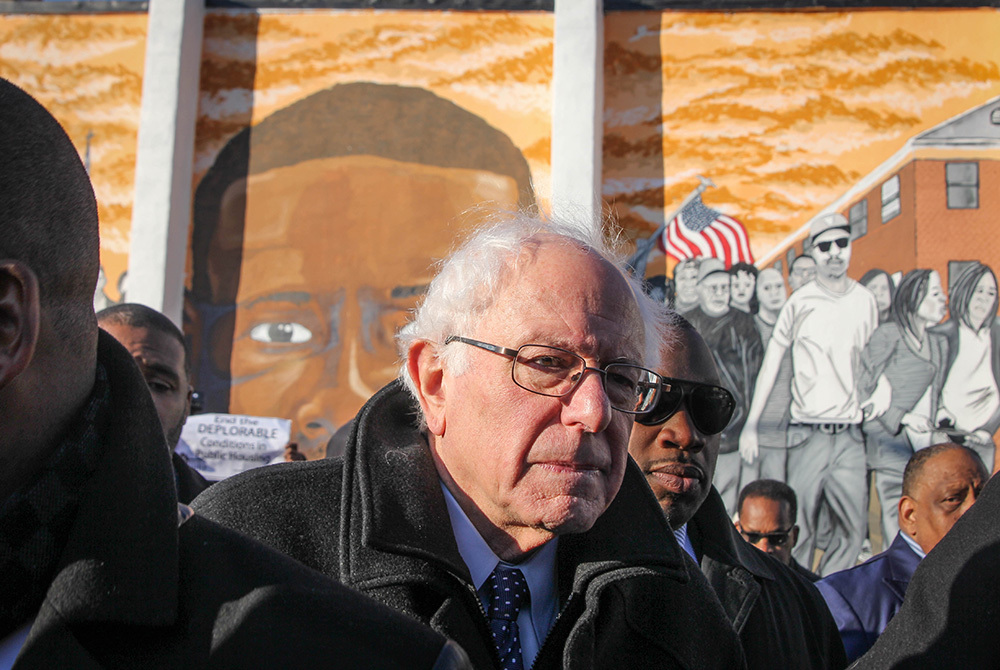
(87, 70)
(783, 111)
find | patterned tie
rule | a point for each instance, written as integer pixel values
(508, 593)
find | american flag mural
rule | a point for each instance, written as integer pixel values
(699, 230)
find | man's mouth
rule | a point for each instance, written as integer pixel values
(677, 477)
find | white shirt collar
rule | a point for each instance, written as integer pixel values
(913, 545)
(539, 571)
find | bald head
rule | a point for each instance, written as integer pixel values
(940, 483)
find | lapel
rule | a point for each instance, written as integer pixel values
(120, 562)
(900, 565)
(731, 566)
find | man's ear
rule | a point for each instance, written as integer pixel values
(427, 373)
(20, 317)
(793, 536)
(907, 517)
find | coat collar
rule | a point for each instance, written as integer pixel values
(121, 561)
(403, 510)
(901, 563)
(721, 542)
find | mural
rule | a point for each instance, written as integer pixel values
(87, 70)
(848, 146)
(335, 153)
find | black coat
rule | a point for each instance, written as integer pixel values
(376, 520)
(951, 613)
(781, 618)
(138, 588)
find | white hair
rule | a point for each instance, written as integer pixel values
(470, 280)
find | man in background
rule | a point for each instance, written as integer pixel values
(801, 271)
(686, 285)
(780, 618)
(101, 566)
(157, 347)
(767, 512)
(940, 484)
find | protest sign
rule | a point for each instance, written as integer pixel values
(222, 445)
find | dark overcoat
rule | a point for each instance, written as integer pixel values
(781, 618)
(138, 588)
(376, 520)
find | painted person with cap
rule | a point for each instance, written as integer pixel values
(825, 324)
(732, 336)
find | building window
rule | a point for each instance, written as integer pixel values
(778, 266)
(963, 185)
(790, 257)
(890, 199)
(858, 218)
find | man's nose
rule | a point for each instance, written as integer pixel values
(588, 404)
(680, 431)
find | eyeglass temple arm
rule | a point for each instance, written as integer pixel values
(503, 351)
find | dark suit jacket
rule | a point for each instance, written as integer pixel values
(809, 575)
(864, 598)
(376, 520)
(189, 481)
(950, 330)
(781, 619)
(137, 589)
(951, 613)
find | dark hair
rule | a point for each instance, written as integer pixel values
(400, 123)
(772, 489)
(915, 466)
(911, 292)
(135, 315)
(49, 212)
(753, 272)
(870, 276)
(964, 288)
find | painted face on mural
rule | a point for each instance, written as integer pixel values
(879, 286)
(742, 286)
(832, 252)
(932, 308)
(803, 272)
(686, 283)
(771, 291)
(714, 294)
(983, 299)
(330, 267)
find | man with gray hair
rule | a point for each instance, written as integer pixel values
(489, 493)
(825, 324)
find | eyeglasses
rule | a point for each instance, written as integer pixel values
(555, 372)
(776, 539)
(825, 246)
(709, 407)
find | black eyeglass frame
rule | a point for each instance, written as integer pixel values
(841, 243)
(656, 417)
(513, 355)
(776, 538)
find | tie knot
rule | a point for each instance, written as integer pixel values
(509, 592)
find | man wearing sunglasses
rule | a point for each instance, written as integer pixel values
(825, 324)
(489, 492)
(767, 514)
(780, 617)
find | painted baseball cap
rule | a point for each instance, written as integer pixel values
(709, 266)
(832, 221)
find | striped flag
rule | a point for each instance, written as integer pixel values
(698, 230)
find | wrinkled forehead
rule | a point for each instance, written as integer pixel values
(562, 293)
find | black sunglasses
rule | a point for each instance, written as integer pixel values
(825, 246)
(710, 407)
(776, 539)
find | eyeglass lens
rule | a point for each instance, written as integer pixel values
(710, 407)
(556, 372)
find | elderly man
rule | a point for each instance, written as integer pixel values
(158, 348)
(101, 566)
(732, 336)
(940, 484)
(780, 617)
(500, 462)
(825, 324)
(801, 271)
(768, 510)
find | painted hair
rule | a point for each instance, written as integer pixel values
(965, 287)
(910, 293)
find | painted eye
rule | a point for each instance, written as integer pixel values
(280, 332)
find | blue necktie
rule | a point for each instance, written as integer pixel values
(508, 592)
